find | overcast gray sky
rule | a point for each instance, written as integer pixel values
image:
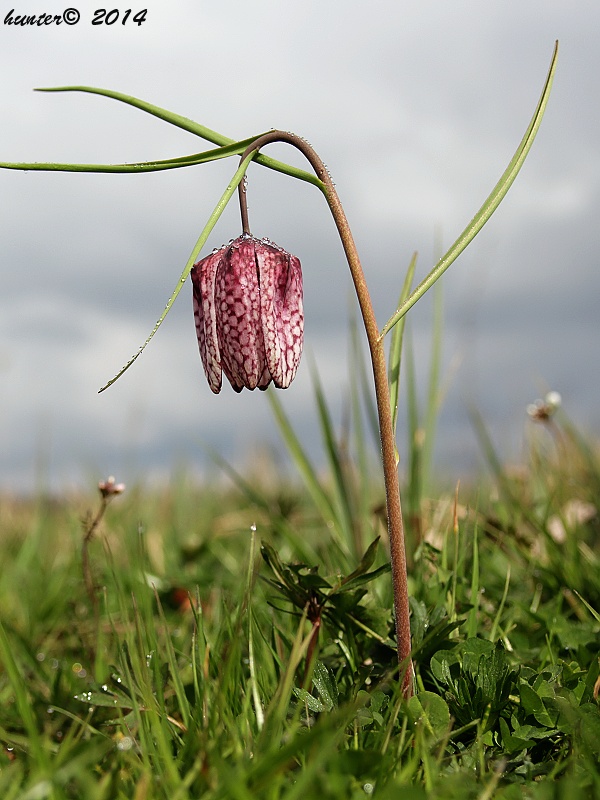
(416, 107)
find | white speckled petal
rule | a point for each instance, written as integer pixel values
(237, 299)
(203, 282)
(249, 315)
(282, 313)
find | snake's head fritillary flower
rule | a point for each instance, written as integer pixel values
(249, 315)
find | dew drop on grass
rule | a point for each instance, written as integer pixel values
(40, 656)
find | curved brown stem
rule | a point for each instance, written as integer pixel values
(382, 394)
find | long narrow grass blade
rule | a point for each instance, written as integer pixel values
(395, 354)
(334, 457)
(278, 707)
(516, 506)
(487, 209)
(22, 699)
(277, 521)
(590, 608)
(319, 496)
(256, 699)
(212, 221)
(433, 389)
(472, 617)
(216, 153)
(366, 385)
(363, 482)
(497, 618)
(187, 125)
(174, 668)
(414, 436)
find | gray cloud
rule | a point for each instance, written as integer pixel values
(415, 107)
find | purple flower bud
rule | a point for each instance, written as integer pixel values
(249, 315)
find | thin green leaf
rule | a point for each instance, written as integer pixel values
(212, 221)
(434, 393)
(335, 459)
(475, 595)
(22, 698)
(320, 498)
(174, 668)
(324, 683)
(168, 116)
(487, 209)
(107, 699)
(364, 462)
(279, 704)
(250, 579)
(360, 580)
(302, 547)
(366, 384)
(188, 125)
(237, 148)
(493, 460)
(496, 623)
(396, 348)
(366, 561)
(312, 703)
(415, 438)
(590, 608)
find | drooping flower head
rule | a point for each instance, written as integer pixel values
(248, 313)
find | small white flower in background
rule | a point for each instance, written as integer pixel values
(109, 487)
(574, 513)
(542, 410)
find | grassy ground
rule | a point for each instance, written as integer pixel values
(238, 643)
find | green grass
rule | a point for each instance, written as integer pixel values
(228, 663)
